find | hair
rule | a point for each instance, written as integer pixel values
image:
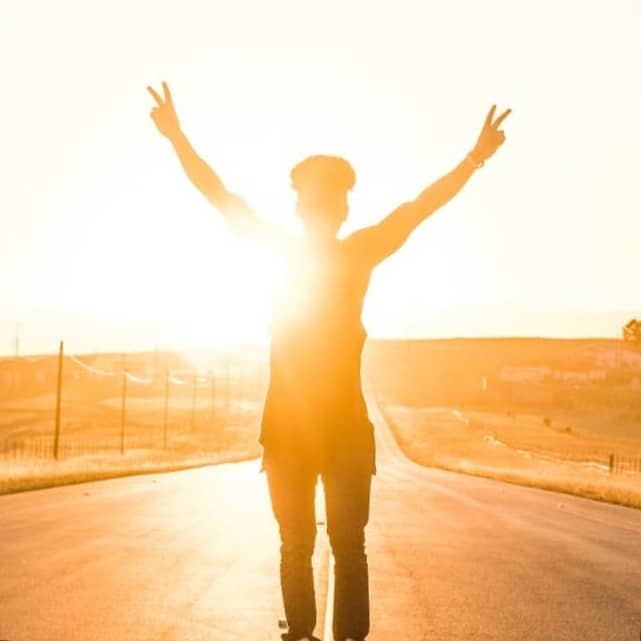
(325, 171)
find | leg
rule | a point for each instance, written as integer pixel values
(347, 494)
(292, 489)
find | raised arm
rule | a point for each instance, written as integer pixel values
(383, 239)
(237, 213)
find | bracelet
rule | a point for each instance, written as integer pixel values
(470, 158)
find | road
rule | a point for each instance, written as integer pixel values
(193, 555)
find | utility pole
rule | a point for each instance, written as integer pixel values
(213, 393)
(123, 415)
(123, 407)
(164, 441)
(56, 437)
(193, 402)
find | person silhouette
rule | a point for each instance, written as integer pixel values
(315, 421)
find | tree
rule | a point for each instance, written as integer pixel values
(632, 332)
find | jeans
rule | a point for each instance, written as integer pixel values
(347, 497)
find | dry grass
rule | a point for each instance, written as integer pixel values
(500, 433)
(224, 431)
(20, 476)
(522, 450)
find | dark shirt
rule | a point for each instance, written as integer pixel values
(315, 413)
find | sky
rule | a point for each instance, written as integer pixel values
(104, 242)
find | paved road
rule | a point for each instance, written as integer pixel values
(193, 555)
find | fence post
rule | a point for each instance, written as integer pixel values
(213, 393)
(193, 403)
(164, 441)
(123, 415)
(228, 370)
(56, 437)
(611, 463)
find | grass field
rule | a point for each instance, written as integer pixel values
(196, 420)
(486, 444)
(448, 403)
(90, 440)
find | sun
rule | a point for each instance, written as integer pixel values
(237, 307)
(185, 285)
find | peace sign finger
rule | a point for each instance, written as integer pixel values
(167, 93)
(156, 96)
(490, 115)
(501, 118)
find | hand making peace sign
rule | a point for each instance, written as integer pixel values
(491, 137)
(164, 114)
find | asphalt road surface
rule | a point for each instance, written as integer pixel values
(193, 555)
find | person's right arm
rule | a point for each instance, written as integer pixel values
(239, 216)
(388, 236)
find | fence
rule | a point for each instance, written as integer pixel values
(69, 405)
(399, 377)
(61, 406)
(622, 464)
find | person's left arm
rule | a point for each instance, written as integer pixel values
(381, 240)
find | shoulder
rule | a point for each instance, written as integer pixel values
(356, 249)
(375, 243)
(362, 245)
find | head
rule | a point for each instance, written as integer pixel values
(321, 184)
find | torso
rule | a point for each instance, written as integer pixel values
(314, 407)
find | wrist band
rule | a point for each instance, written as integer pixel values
(474, 163)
